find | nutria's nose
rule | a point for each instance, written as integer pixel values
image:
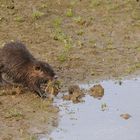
(55, 77)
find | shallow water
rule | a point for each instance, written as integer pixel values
(87, 121)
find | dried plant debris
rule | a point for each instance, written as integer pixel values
(11, 90)
(52, 88)
(97, 91)
(104, 107)
(125, 116)
(75, 94)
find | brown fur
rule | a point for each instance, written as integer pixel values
(19, 64)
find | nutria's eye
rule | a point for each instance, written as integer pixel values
(37, 68)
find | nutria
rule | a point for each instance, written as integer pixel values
(20, 65)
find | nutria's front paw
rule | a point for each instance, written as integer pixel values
(43, 96)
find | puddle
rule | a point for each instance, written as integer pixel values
(87, 120)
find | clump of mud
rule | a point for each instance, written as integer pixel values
(75, 94)
(97, 91)
(125, 116)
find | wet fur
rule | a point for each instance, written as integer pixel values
(20, 65)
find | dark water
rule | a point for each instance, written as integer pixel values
(87, 121)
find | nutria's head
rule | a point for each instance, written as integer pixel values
(43, 71)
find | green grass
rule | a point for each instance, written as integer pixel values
(79, 20)
(63, 56)
(73, 3)
(80, 32)
(33, 138)
(14, 113)
(57, 22)
(133, 68)
(37, 15)
(19, 19)
(95, 3)
(80, 43)
(59, 35)
(136, 14)
(69, 13)
(44, 5)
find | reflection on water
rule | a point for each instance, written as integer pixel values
(87, 121)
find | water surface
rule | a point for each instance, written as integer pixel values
(87, 121)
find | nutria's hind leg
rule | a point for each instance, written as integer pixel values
(6, 79)
(3, 82)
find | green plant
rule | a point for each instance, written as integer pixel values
(44, 5)
(14, 113)
(65, 53)
(59, 35)
(77, 19)
(19, 19)
(62, 57)
(57, 22)
(73, 2)
(95, 3)
(69, 13)
(37, 14)
(32, 138)
(80, 32)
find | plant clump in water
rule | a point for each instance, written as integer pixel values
(75, 94)
(52, 88)
(97, 91)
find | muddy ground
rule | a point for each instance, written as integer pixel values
(84, 40)
(24, 116)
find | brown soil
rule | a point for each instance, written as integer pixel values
(84, 40)
(25, 116)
